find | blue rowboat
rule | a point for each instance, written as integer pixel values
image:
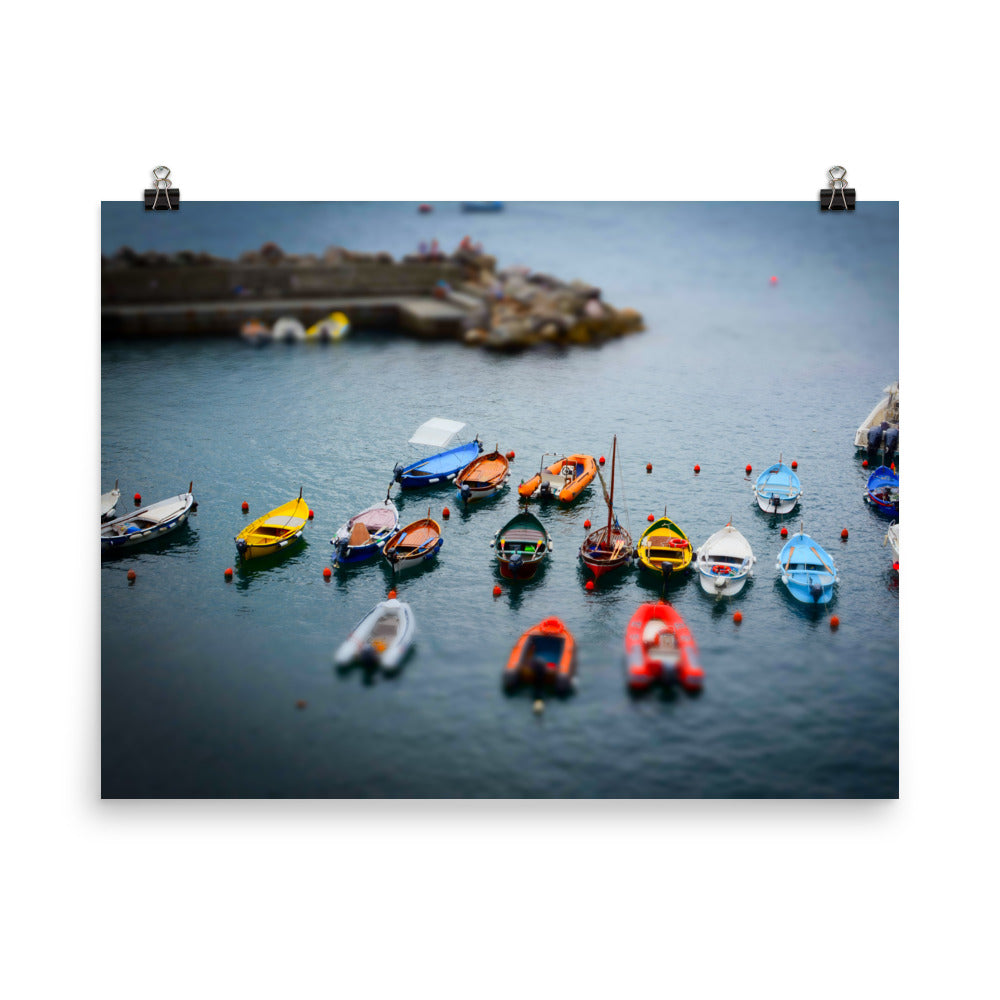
(148, 523)
(807, 570)
(482, 206)
(362, 536)
(777, 489)
(882, 491)
(439, 468)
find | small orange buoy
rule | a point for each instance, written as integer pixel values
(327, 572)
(228, 574)
(497, 590)
(892, 466)
(649, 466)
(137, 498)
(774, 279)
(589, 585)
(834, 622)
(650, 518)
(784, 532)
(392, 595)
(697, 468)
(510, 455)
(895, 566)
(749, 469)
(586, 523)
(300, 704)
(737, 616)
(310, 515)
(843, 534)
(446, 512)
(601, 460)
(864, 464)
(246, 506)
(795, 465)
(131, 576)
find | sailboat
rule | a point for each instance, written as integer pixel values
(610, 546)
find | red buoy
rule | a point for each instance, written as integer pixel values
(650, 518)
(864, 464)
(446, 512)
(895, 566)
(300, 704)
(497, 591)
(510, 455)
(586, 523)
(749, 469)
(784, 532)
(601, 460)
(392, 595)
(310, 515)
(795, 465)
(131, 576)
(834, 622)
(737, 616)
(697, 468)
(327, 573)
(138, 498)
(589, 585)
(843, 534)
(774, 279)
(228, 574)
(649, 466)
(246, 506)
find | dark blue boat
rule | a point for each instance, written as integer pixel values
(439, 468)
(482, 206)
(882, 491)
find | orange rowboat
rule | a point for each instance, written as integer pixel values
(659, 647)
(545, 654)
(565, 479)
(483, 477)
(414, 544)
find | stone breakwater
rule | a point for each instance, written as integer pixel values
(458, 296)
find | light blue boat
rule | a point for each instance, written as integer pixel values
(439, 468)
(777, 489)
(807, 570)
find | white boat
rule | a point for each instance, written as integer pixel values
(892, 537)
(109, 501)
(382, 638)
(147, 523)
(288, 330)
(886, 411)
(725, 562)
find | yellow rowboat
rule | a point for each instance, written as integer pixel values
(274, 531)
(336, 326)
(664, 548)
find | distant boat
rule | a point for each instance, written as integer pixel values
(362, 536)
(147, 523)
(483, 477)
(882, 491)
(564, 479)
(871, 434)
(724, 562)
(413, 545)
(382, 638)
(892, 537)
(255, 333)
(273, 532)
(438, 468)
(664, 548)
(659, 648)
(109, 501)
(521, 546)
(288, 330)
(610, 546)
(807, 570)
(777, 489)
(482, 206)
(545, 654)
(336, 326)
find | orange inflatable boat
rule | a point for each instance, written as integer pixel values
(660, 647)
(545, 654)
(565, 479)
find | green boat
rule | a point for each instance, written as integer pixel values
(521, 546)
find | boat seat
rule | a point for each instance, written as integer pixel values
(359, 535)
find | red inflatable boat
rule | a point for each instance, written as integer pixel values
(660, 647)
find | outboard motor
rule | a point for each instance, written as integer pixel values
(890, 442)
(368, 657)
(466, 492)
(775, 501)
(241, 546)
(545, 490)
(539, 670)
(515, 562)
(397, 473)
(874, 441)
(815, 590)
(340, 549)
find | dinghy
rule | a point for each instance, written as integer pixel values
(545, 654)
(255, 333)
(336, 326)
(147, 523)
(483, 477)
(564, 479)
(381, 639)
(434, 469)
(414, 544)
(273, 532)
(882, 491)
(288, 330)
(659, 647)
(610, 546)
(664, 548)
(109, 501)
(521, 546)
(884, 417)
(361, 536)
(725, 562)
(777, 489)
(807, 570)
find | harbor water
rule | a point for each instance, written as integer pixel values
(212, 688)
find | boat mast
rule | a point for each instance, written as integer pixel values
(614, 448)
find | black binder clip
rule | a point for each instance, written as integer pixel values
(162, 198)
(839, 198)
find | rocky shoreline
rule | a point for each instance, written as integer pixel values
(510, 309)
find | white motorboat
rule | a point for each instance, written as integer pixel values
(288, 330)
(886, 411)
(109, 501)
(725, 562)
(382, 638)
(892, 537)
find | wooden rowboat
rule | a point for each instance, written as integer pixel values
(521, 546)
(147, 523)
(664, 548)
(275, 531)
(610, 546)
(361, 536)
(483, 477)
(414, 544)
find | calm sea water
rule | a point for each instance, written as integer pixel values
(200, 678)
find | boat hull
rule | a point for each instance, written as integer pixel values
(380, 523)
(807, 570)
(482, 478)
(275, 532)
(436, 469)
(659, 554)
(545, 654)
(659, 649)
(555, 483)
(777, 490)
(373, 643)
(521, 546)
(146, 524)
(719, 586)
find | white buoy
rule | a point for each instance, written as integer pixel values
(538, 707)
